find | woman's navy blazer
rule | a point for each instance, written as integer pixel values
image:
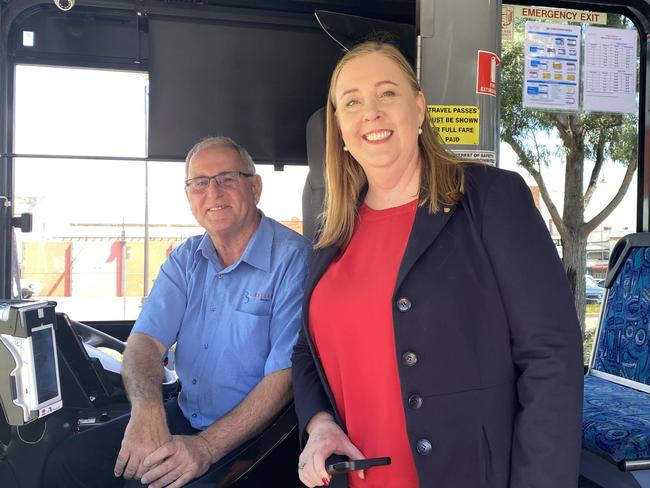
(487, 344)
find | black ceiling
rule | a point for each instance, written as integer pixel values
(394, 10)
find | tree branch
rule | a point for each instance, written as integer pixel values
(524, 161)
(562, 129)
(600, 157)
(546, 196)
(588, 227)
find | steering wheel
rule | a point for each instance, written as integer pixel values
(95, 340)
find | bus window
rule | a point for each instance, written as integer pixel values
(102, 227)
(80, 112)
(282, 194)
(574, 141)
(84, 203)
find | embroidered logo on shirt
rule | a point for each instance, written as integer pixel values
(257, 297)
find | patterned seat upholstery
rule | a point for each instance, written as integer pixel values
(616, 417)
(616, 420)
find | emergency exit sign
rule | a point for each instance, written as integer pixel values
(558, 15)
(561, 15)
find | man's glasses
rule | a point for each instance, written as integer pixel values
(229, 179)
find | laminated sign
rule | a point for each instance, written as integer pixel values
(552, 66)
(486, 73)
(456, 124)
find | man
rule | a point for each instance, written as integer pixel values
(230, 299)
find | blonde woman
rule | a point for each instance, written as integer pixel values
(439, 328)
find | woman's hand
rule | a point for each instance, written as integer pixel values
(325, 438)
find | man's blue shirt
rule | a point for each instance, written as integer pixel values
(233, 326)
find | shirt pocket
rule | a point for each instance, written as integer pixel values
(251, 342)
(254, 306)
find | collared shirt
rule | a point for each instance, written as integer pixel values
(233, 326)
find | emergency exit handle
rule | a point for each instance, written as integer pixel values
(24, 222)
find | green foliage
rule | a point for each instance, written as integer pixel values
(540, 137)
(518, 123)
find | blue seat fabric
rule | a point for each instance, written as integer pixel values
(622, 348)
(616, 420)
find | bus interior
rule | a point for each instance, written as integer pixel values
(101, 99)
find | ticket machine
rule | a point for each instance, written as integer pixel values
(30, 390)
(30, 387)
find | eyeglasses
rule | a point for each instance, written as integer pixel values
(229, 179)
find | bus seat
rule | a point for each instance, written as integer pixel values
(313, 193)
(616, 411)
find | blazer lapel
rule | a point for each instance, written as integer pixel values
(426, 228)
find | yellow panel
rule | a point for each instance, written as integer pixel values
(158, 252)
(44, 262)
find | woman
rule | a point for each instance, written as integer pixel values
(439, 327)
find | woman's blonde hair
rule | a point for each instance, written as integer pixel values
(441, 174)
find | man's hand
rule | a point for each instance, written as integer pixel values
(325, 438)
(178, 461)
(187, 457)
(143, 435)
(147, 430)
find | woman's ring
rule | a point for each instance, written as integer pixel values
(301, 465)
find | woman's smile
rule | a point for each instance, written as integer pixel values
(377, 136)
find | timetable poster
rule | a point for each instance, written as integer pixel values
(609, 70)
(552, 66)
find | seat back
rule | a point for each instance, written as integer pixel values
(313, 193)
(266, 460)
(622, 345)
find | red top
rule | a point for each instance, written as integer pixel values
(351, 322)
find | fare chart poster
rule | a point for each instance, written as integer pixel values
(609, 70)
(552, 66)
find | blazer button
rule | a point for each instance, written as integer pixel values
(409, 358)
(415, 402)
(403, 304)
(423, 447)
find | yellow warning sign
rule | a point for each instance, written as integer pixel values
(456, 124)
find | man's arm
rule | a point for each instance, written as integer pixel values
(187, 457)
(251, 416)
(142, 371)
